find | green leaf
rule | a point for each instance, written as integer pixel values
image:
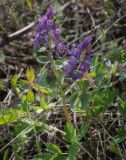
(122, 109)
(43, 104)
(84, 85)
(99, 69)
(60, 63)
(17, 157)
(99, 100)
(61, 157)
(14, 80)
(29, 4)
(23, 99)
(40, 89)
(53, 148)
(2, 58)
(83, 130)
(75, 101)
(8, 118)
(73, 98)
(109, 96)
(42, 79)
(121, 131)
(55, 71)
(70, 132)
(110, 7)
(18, 91)
(113, 148)
(44, 156)
(18, 128)
(43, 59)
(11, 116)
(104, 97)
(54, 156)
(84, 100)
(61, 76)
(47, 156)
(30, 74)
(3, 84)
(119, 139)
(95, 111)
(73, 150)
(30, 95)
(58, 6)
(6, 155)
(42, 49)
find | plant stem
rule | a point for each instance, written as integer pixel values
(65, 109)
(55, 71)
(35, 132)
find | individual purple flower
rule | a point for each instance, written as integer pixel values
(62, 48)
(77, 75)
(71, 65)
(69, 68)
(39, 39)
(75, 52)
(56, 36)
(84, 66)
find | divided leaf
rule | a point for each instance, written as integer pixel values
(30, 74)
(53, 148)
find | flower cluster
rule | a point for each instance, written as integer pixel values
(79, 63)
(48, 33)
(47, 30)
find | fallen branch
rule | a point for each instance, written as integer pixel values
(17, 34)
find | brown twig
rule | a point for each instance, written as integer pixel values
(17, 34)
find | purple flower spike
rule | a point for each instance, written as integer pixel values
(47, 30)
(76, 65)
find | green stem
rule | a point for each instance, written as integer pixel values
(65, 109)
(55, 71)
(35, 132)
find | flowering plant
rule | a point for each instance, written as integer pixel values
(49, 35)
(59, 112)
